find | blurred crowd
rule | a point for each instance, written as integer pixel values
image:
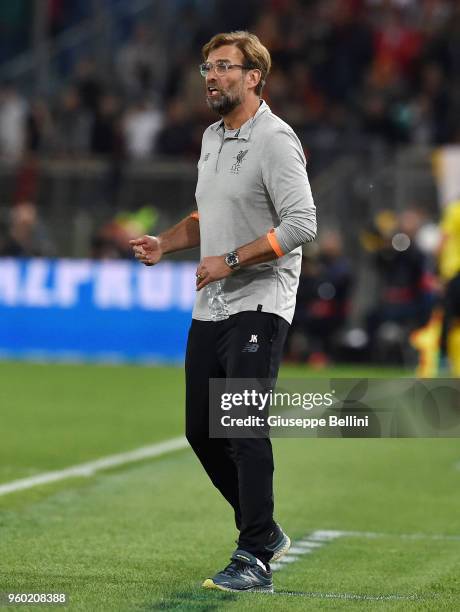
(23, 233)
(386, 70)
(403, 287)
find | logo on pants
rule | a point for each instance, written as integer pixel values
(252, 346)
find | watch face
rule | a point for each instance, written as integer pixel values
(232, 259)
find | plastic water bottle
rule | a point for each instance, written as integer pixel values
(217, 303)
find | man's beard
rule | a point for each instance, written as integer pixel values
(223, 105)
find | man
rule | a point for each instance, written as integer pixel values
(255, 210)
(449, 271)
(438, 342)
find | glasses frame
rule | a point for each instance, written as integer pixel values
(215, 66)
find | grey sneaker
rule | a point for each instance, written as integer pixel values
(245, 573)
(278, 544)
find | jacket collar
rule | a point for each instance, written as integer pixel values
(244, 132)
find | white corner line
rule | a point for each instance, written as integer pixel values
(91, 467)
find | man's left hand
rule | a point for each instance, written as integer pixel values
(211, 269)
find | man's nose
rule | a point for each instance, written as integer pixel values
(211, 81)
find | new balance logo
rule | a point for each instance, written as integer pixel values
(250, 348)
(253, 338)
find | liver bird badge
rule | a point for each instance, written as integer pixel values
(239, 159)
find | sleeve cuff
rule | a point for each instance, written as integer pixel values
(272, 239)
(195, 215)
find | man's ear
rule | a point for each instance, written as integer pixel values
(253, 77)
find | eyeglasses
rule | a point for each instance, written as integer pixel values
(220, 67)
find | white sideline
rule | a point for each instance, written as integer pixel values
(91, 467)
(311, 542)
(322, 537)
(355, 596)
(406, 536)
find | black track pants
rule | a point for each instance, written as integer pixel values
(242, 469)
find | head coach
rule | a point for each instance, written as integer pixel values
(255, 211)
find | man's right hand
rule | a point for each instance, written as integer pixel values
(147, 249)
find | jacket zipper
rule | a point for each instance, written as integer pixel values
(218, 153)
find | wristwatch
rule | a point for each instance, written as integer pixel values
(232, 260)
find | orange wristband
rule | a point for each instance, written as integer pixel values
(274, 243)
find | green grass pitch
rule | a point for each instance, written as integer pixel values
(143, 536)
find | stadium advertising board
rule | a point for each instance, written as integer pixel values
(95, 310)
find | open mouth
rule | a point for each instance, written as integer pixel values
(213, 91)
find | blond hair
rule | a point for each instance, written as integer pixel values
(255, 54)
